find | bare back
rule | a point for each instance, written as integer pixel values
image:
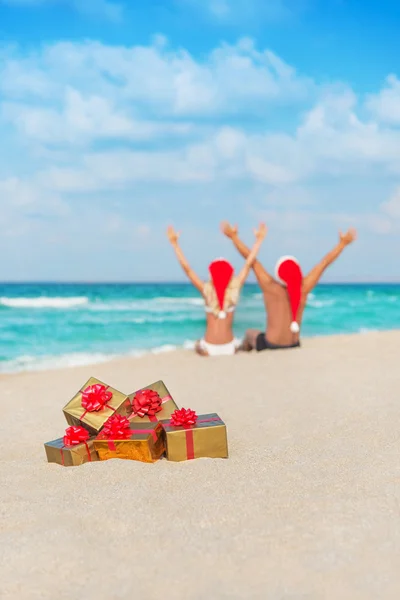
(219, 331)
(279, 314)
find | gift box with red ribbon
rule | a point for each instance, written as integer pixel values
(152, 403)
(94, 404)
(75, 448)
(189, 436)
(120, 438)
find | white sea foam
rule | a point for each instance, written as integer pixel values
(320, 303)
(151, 305)
(44, 363)
(77, 359)
(164, 348)
(44, 302)
(169, 300)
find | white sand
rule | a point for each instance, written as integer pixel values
(306, 507)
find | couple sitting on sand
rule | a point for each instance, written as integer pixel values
(284, 297)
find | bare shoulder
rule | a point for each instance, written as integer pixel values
(274, 288)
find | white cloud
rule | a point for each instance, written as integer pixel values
(154, 128)
(80, 120)
(157, 79)
(392, 207)
(385, 105)
(234, 11)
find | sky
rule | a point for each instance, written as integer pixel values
(118, 118)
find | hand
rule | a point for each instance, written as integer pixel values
(261, 232)
(228, 229)
(173, 236)
(349, 237)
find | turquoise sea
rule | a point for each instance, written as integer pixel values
(45, 326)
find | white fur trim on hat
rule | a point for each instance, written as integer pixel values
(294, 327)
(278, 264)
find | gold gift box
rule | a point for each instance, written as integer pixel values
(146, 444)
(168, 406)
(70, 456)
(75, 413)
(206, 439)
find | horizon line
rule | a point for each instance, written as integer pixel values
(175, 282)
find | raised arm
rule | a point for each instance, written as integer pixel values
(260, 234)
(263, 277)
(173, 237)
(311, 280)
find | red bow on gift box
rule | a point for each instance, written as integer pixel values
(95, 397)
(117, 427)
(146, 403)
(182, 417)
(75, 435)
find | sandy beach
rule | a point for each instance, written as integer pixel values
(306, 507)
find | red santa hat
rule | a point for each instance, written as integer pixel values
(221, 272)
(288, 273)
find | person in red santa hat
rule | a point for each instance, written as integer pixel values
(221, 296)
(285, 296)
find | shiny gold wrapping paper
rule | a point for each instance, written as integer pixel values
(94, 421)
(73, 455)
(140, 446)
(167, 408)
(209, 439)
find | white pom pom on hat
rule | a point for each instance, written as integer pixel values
(294, 327)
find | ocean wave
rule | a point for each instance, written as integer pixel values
(116, 319)
(79, 359)
(149, 305)
(320, 303)
(44, 363)
(164, 348)
(44, 302)
(171, 300)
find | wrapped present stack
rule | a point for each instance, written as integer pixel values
(144, 426)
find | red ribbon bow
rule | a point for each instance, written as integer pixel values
(146, 403)
(95, 397)
(117, 427)
(75, 435)
(182, 417)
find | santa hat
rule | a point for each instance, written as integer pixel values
(288, 273)
(221, 272)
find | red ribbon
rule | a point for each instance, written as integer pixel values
(74, 436)
(96, 397)
(146, 403)
(118, 428)
(190, 415)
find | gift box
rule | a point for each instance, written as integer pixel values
(120, 438)
(75, 448)
(189, 436)
(94, 404)
(152, 403)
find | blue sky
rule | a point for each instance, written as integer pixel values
(118, 118)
